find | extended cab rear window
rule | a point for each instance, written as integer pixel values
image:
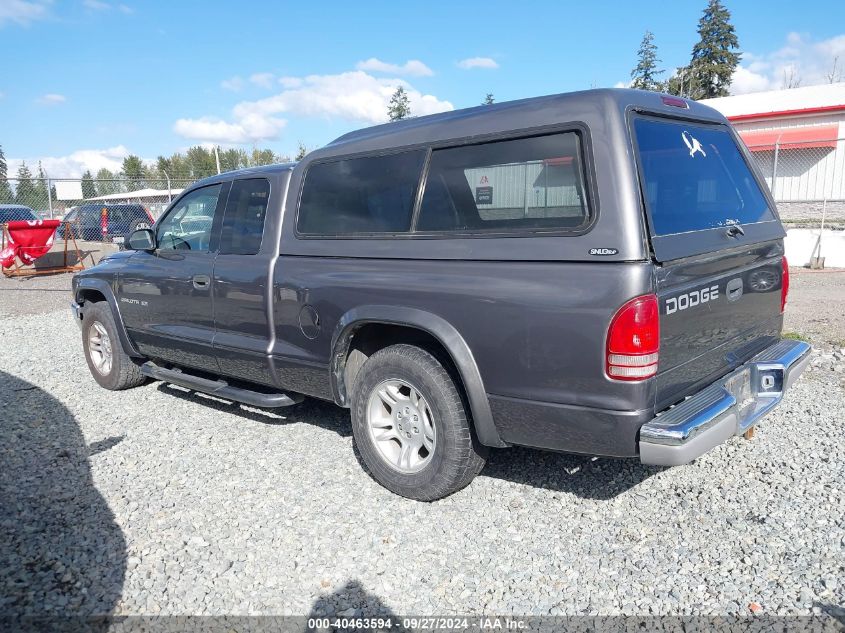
(522, 184)
(371, 194)
(694, 177)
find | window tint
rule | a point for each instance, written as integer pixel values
(188, 225)
(360, 195)
(530, 183)
(118, 214)
(694, 177)
(243, 220)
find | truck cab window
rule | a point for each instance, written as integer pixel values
(243, 220)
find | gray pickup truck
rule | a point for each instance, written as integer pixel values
(599, 272)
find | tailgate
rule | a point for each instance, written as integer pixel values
(718, 245)
(716, 312)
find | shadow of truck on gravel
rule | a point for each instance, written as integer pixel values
(600, 479)
(61, 551)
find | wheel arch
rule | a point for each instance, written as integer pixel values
(443, 332)
(99, 290)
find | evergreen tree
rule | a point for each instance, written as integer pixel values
(713, 58)
(301, 151)
(105, 182)
(40, 189)
(262, 157)
(644, 76)
(399, 107)
(488, 100)
(6, 195)
(675, 84)
(25, 191)
(133, 171)
(200, 162)
(232, 159)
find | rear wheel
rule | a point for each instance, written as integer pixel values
(411, 425)
(110, 366)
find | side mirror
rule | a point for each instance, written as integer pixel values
(142, 240)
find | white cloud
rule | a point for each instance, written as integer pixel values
(622, 84)
(477, 62)
(126, 9)
(22, 11)
(247, 129)
(263, 80)
(290, 82)
(73, 165)
(51, 99)
(235, 84)
(353, 96)
(800, 58)
(412, 67)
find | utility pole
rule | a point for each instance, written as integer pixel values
(169, 194)
(49, 196)
(217, 158)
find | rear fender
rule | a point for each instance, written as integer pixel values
(441, 330)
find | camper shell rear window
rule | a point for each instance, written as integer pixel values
(694, 177)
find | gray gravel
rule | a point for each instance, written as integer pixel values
(156, 500)
(816, 307)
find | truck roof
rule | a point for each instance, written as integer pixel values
(246, 172)
(536, 112)
(479, 121)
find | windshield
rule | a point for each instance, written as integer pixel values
(694, 177)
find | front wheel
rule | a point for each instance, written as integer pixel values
(110, 366)
(411, 426)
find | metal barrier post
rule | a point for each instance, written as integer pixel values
(775, 167)
(49, 198)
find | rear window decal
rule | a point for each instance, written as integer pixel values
(693, 145)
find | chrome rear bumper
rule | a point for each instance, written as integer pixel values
(728, 407)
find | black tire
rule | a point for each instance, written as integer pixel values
(457, 456)
(124, 372)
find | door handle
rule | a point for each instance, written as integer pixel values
(201, 282)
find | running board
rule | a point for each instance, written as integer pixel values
(220, 388)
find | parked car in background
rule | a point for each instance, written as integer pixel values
(12, 212)
(106, 221)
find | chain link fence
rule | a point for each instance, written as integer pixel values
(807, 180)
(97, 210)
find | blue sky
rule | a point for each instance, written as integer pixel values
(85, 82)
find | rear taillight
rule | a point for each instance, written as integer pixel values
(784, 283)
(633, 340)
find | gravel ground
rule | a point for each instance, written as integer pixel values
(156, 500)
(816, 307)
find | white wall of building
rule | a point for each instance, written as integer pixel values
(803, 174)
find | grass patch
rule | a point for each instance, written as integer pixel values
(795, 336)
